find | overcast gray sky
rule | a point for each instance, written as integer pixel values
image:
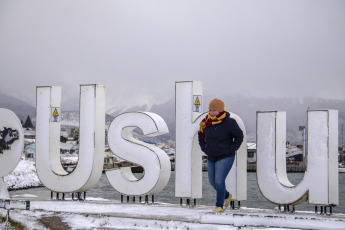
(138, 49)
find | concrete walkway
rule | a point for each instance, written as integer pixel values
(110, 213)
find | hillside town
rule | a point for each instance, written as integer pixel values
(69, 142)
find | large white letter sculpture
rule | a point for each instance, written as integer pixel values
(155, 161)
(188, 160)
(236, 181)
(320, 182)
(11, 146)
(92, 139)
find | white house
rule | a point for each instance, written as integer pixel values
(29, 152)
(251, 151)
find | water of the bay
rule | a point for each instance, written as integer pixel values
(254, 197)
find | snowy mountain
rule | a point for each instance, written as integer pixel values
(245, 107)
(19, 107)
(71, 118)
(23, 109)
(166, 111)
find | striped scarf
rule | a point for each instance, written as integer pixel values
(209, 121)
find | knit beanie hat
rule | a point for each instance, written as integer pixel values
(216, 104)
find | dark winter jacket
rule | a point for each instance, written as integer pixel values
(222, 140)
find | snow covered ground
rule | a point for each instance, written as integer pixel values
(23, 176)
(100, 213)
(95, 212)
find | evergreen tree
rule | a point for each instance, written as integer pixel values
(28, 123)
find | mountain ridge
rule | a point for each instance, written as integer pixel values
(245, 107)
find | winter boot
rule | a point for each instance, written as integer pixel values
(227, 201)
(218, 209)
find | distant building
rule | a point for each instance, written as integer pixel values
(29, 134)
(341, 154)
(69, 161)
(29, 152)
(64, 133)
(109, 160)
(167, 149)
(67, 148)
(293, 153)
(251, 152)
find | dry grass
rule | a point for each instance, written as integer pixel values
(53, 223)
(12, 224)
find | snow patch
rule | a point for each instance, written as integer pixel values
(23, 176)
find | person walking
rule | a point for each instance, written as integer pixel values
(219, 138)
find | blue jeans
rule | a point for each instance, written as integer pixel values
(217, 173)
